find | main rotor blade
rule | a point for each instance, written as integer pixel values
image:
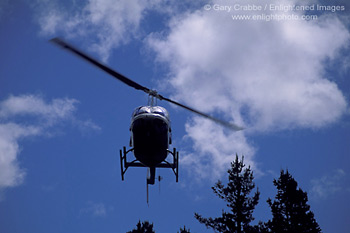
(114, 73)
(137, 86)
(221, 122)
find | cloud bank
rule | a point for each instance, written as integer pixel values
(27, 116)
(266, 76)
(329, 185)
(105, 24)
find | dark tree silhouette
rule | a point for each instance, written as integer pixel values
(290, 211)
(236, 194)
(144, 227)
(184, 230)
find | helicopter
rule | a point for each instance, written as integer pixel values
(150, 125)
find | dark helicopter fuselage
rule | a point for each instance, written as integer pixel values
(150, 134)
(150, 140)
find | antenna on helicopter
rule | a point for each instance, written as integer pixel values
(159, 180)
(147, 195)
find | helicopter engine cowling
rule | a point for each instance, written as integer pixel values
(151, 133)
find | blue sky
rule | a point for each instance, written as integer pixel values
(63, 121)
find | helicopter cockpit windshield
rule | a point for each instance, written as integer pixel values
(157, 110)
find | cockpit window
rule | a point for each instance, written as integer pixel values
(141, 110)
(148, 109)
(161, 111)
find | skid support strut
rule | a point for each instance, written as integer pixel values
(124, 165)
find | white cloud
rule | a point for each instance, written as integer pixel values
(214, 149)
(105, 24)
(28, 116)
(25, 105)
(266, 76)
(329, 184)
(94, 209)
(10, 173)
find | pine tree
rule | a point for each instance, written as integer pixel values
(236, 194)
(290, 211)
(144, 227)
(184, 230)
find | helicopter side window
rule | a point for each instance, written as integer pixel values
(140, 110)
(161, 111)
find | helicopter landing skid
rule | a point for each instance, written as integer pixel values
(124, 164)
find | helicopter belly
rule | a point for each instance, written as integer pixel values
(150, 139)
